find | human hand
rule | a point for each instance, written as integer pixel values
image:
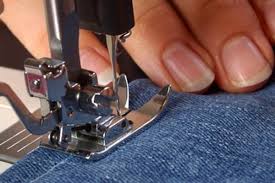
(186, 43)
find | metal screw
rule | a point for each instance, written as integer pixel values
(36, 84)
(54, 136)
(70, 112)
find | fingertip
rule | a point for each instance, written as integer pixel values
(93, 55)
(88, 39)
(92, 60)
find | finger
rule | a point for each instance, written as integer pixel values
(165, 50)
(26, 20)
(1, 6)
(231, 32)
(266, 9)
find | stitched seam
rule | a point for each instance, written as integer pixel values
(61, 162)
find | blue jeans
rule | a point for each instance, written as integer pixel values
(198, 138)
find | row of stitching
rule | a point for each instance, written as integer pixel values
(51, 169)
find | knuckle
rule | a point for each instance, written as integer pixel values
(152, 8)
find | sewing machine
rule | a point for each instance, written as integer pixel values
(77, 115)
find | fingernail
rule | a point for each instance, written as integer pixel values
(269, 14)
(187, 68)
(244, 63)
(92, 60)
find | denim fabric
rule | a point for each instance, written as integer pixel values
(198, 138)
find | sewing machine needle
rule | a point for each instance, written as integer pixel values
(112, 49)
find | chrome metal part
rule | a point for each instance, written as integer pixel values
(16, 142)
(96, 140)
(35, 125)
(77, 115)
(124, 36)
(112, 48)
(123, 93)
(43, 76)
(63, 30)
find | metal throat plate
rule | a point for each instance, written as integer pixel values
(16, 142)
